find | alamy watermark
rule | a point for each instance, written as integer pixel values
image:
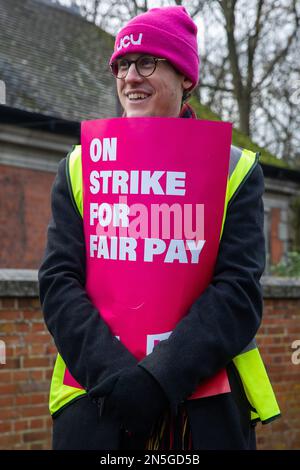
(176, 231)
(2, 92)
(2, 352)
(296, 353)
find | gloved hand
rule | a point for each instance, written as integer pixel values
(137, 400)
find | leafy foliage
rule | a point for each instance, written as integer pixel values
(289, 267)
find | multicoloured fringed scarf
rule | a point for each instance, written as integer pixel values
(187, 111)
(172, 432)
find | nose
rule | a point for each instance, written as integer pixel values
(132, 74)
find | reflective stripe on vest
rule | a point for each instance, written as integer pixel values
(249, 364)
(61, 394)
(257, 386)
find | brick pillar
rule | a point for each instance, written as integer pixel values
(276, 245)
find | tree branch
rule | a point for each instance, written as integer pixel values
(281, 54)
(217, 87)
(252, 45)
(228, 9)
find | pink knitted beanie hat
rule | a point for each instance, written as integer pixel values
(167, 32)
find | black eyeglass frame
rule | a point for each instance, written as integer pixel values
(129, 62)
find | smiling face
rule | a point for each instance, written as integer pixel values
(157, 95)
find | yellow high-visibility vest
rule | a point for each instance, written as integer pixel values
(249, 364)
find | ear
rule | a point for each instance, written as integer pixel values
(186, 83)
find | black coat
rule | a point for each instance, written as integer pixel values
(222, 321)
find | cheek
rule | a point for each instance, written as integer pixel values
(166, 92)
(169, 95)
(119, 91)
(170, 87)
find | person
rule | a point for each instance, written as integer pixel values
(123, 403)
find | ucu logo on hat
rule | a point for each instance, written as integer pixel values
(127, 40)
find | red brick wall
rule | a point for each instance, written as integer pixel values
(24, 379)
(280, 328)
(24, 216)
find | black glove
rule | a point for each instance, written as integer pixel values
(137, 400)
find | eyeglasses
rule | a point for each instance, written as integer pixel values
(145, 66)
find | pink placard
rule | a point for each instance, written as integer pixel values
(153, 200)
